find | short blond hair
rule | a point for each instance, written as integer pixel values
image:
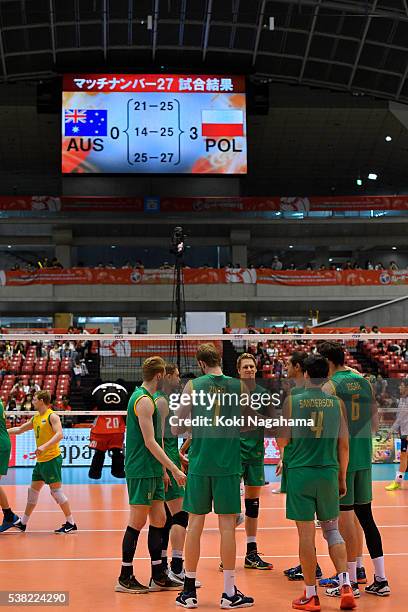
(43, 396)
(245, 356)
(152, 366)
(209, 354)
(171, 368)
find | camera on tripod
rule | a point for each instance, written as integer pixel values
(177, 241)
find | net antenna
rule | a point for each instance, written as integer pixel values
(178, 307)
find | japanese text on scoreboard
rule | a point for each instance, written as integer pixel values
(151, 123)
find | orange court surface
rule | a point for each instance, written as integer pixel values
(87, 563)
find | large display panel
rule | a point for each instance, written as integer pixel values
(171, 124)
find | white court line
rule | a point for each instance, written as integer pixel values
(127, 509)
(41, 559)
(17, 532)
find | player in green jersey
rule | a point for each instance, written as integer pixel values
(9, 518)
(145, 465)
(361, 408)
(252, 458)
(316, 476)
(208, 404)
(295, 372)
(177, 518)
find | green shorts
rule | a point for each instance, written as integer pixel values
(253, 474)
(174, 491)
(310, 491)
(4, 461)
(203, 491)
(142, 491)
(284, 478)
(48, 471)
(359, 488)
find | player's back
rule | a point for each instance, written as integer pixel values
(357, 395)
(215, 445)
(139, 461)
(314, 445)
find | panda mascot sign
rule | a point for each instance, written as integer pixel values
(108, 432)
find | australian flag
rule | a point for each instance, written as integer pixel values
(83, 122)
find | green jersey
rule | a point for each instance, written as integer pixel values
(215, 445)
(315, 445)
(139, 462)
(357, 395)
(252, 442)
(5, 444)
(170, 442)
(288, 449)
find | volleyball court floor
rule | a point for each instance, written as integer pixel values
(87, 563)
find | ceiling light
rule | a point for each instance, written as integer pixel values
(373, 176)
(359, 182)
(330, 259)
(291, 246)
(113, 246)
(394, 248)
(388, 138)
(9, 246)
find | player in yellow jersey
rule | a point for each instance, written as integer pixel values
(48, 432)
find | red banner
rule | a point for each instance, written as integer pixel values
(202, 276)
(201, 205)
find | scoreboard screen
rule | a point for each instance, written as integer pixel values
(150, 123)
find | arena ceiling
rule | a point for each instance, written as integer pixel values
(361, 47)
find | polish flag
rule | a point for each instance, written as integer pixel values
(220, 123)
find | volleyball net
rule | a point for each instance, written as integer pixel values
(71, 366)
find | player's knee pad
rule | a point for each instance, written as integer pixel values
(32, 496)
(331, 532)
(252, 507)
(181, 518)
(59, 496)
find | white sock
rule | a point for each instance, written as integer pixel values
(251, 539)
(229, 582)
(352, 570)
(177, 554)
(70, 519)
(310, 591)
(191, 574)
(379, 568)
(164, 554)
(344, 578)
(399, 477)
(360, 562)
(25, 519)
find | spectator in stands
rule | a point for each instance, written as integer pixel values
(4, 364)
(379, 266)
(292, 266)
(348, 265)
(251, 330)
(27, 403)
(55, 263)
(285, 329)
(15, 268)
(18, 392)
(274, 329)
(356, 266)
(276, 263)
(127, 265)
(277, 368)
(165, 266)
(68, 353)
(375, 330)
(65, 405)
(100, 265)
(323, 267)
(11, 404)
(369, 265)
(393, 265)
(332, 266)
(139, 265)
(55, 352)
(394, 348)
(110, 266)
(380, 388)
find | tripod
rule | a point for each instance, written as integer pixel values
(178, 308)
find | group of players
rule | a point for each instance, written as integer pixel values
(325, 467)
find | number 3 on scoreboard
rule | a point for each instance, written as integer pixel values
(317, 418)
